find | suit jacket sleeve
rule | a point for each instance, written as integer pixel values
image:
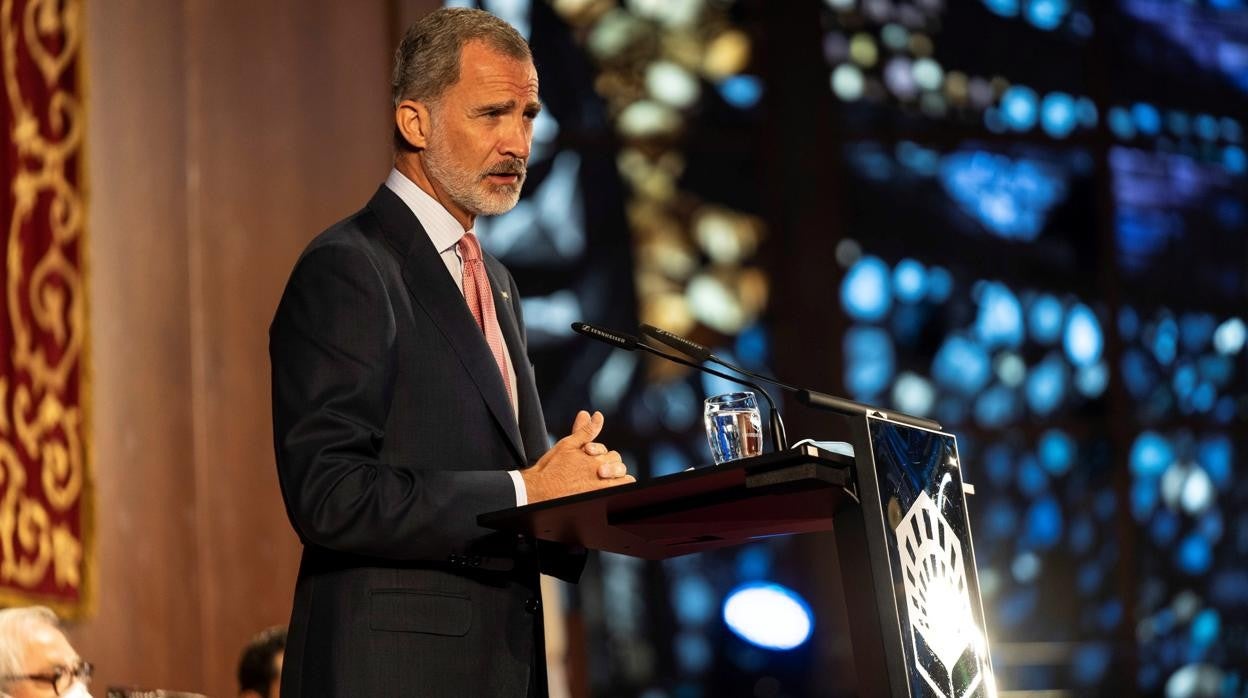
(332, 346)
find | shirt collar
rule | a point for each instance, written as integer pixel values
(443, 230)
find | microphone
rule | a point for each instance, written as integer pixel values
(810, 398)
(628, 342)
(702, 354)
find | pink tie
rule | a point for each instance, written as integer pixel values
(481, 302)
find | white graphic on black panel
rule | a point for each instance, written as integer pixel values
(949, 647)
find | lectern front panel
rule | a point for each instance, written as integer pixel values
(941, 618)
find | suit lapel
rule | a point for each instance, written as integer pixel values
(435, 292)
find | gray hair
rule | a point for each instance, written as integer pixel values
(426, 62)
(15, 625)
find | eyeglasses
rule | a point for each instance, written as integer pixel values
(62, 678)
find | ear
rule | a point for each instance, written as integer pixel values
(411, 118)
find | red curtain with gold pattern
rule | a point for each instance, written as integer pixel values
(45, 479)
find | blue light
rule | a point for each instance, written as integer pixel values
(1011, 198)
(961, 365)
(1231, 130)
(939, 284)
(1044, 319)
(1234, 159)
(693, 599)
(913, 394)
(1017, 607)
(1195, 330)
(1032, 480)
(869, 362)
(751, 346)
(1147, 118)
(1214, 455)
(1085, 110)
(1057, 451)
(1089, 577)
(1178, 123)
(1138, 373)
(1144, 498)
(1150, 455)
(1128, 322)
(996, 407)
(1058, 117)
(666, 459)
(1229, 588)
(1083, 340)
(1005, 8)
(1046, 14)
(1025, 568)
(922, 161)
(714, 385)
(753, 562)
(768, 616)
(993, 120)
(1000, 319)
(1205, 628)
(865, 292)
(1194, 555)
(909, 280)
(1165, 341)
(1121, 124)
(1019, 107)
(741, 91)
(1206, 127)
(998, 464)
(693, 652)
(1082, 535)
(1046, 385)
(999, 520)
(1140, 234)
(1090, 663)
(1091, 381)
(1164, 528)
(1109, 615)
(1230, 336)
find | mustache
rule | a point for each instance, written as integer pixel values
(512, 166)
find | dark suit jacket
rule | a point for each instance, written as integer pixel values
(393, 432)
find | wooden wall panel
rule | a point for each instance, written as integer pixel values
(289, 134)
(222, 136)
(147, 627)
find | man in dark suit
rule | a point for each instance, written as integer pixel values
(404, 404)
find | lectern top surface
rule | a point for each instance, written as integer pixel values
(795, 491)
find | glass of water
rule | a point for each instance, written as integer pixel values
(733, 426)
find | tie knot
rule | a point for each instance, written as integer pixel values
(469, 248)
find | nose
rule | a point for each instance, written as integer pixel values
(517, 140)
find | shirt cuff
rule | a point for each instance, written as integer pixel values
(522, 494)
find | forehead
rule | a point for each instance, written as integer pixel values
(47, 647)
(486, 73)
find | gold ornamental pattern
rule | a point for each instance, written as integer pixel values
(45, 479)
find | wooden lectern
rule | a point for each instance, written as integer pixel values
(898, 511)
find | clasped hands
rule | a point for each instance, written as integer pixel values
(576, 463)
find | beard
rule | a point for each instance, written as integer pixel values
(471, 191)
